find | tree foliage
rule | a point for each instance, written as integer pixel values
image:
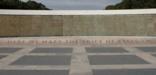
(133, 4)
(18, 4)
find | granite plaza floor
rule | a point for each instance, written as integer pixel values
(77, 60)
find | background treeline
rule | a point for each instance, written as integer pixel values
(134, 4)
(18, 4)
(33, 5)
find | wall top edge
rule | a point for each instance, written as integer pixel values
(78, 12)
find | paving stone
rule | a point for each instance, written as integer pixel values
(147, 49)
(125, 72)
(105, 50)
(8, 50)
(43, 60)
(2, 56)
(34, 72)
(115, 59)
(52, 50)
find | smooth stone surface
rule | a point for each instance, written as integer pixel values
(34, 72)
(105, 50)
(154, 55)
(43, 60)
(2, 56)
(115, 59)
(8, 50)
(147, 49)
(125, 72)
(52, 50)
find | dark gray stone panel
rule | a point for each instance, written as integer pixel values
(115, 59)
(43, 60)
(52, 50)
(147, 49)
(8, 50)
(105, 50)
(125, 72)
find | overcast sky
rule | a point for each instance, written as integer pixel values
(78, 4)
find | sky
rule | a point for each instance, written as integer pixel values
(77, 4)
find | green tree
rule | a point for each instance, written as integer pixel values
(133, 4)
(18, 4)
(35, 5)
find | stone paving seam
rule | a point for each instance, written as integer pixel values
(36, 67)
(143, 55)
(14, 56)
(48, 54)
(80, 63)
(112, 53)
